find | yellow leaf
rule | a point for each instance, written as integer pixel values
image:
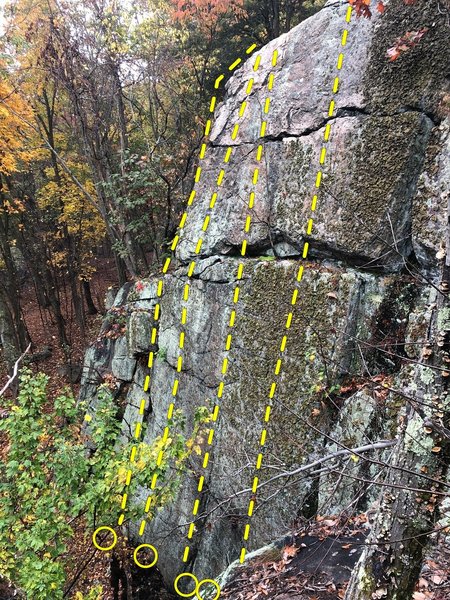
(122, 475)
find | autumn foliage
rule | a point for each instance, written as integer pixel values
(405, 43)
(15, 152)
(362, 7)
(206, 12)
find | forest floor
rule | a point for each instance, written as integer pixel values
(315, 564)
(43, 332)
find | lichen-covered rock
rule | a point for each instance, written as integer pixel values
(122, 365)
(139, 329)
(356, 424)
(304, 75)
(366, 208)
(364, 215)
(329, 295)
(430, 207)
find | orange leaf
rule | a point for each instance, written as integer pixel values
(289, 551)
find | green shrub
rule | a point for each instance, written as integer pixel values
(49, 479)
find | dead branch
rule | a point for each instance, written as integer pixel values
(15, 371)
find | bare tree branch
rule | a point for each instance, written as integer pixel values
(356, 452)
(15, 371)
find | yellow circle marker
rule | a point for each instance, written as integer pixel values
(104, 548)
(175, 585)
(215, 584)
(154, 561)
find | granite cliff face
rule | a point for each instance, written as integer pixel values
(365, 300)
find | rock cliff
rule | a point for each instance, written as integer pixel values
(365, 300)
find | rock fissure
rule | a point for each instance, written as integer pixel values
(342, 112)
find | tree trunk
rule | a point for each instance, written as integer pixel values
(42, 273)
(11, 288)
(115, 575)
(39, 289)
(70, 242)
(276, 26)
(77, 302)
(8, 339)
(92, 309)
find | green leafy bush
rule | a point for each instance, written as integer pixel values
(50, 479)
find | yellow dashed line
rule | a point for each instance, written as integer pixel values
(277, 370)
(206, 223)
(190, 273)
(160, 285)
(213, 200)
(235, 64)
(196, 505)
(218, 81)
(331, 109)
(336, 85)
(236, 294)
